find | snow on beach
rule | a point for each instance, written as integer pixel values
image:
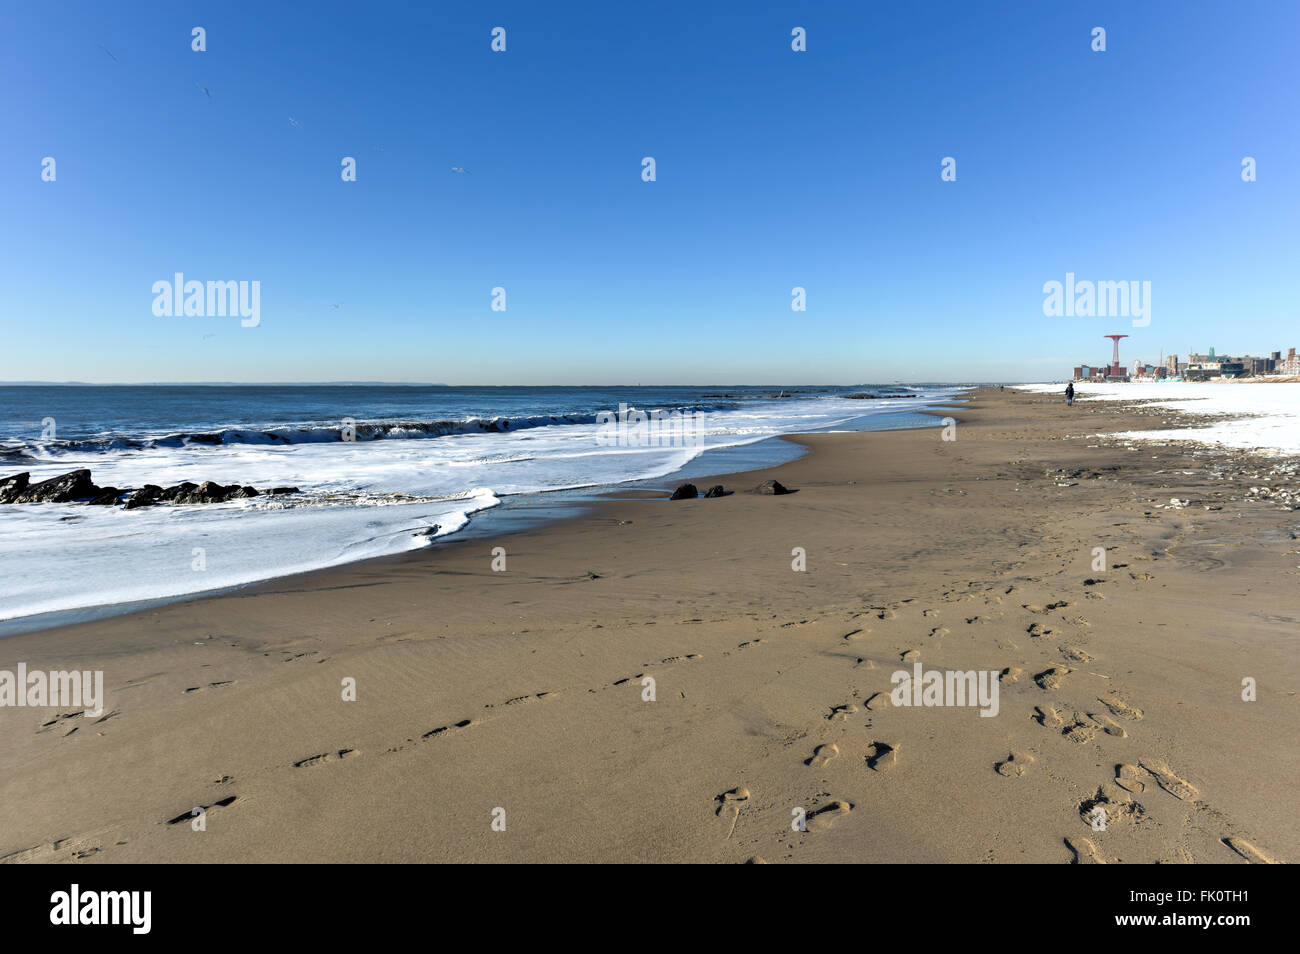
(1263, 416)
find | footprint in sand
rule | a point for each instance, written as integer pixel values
(729, 804)
(840, 713)
(520, 700)
(822, 755)
(1081, 730)
(1084, 851)
(1039, 631)
(1044, 610)
(1178, 787)
(929, 612)
(939, 631)
(1117, 805)
(76, 847)
(886, 613)
(1126, 777)
(730, 801)
(57, 723)
(856, 634)
(1248, 851)
(188, 814)
(877, 701)
(1108, 725)
(1120, 708)
(1052, 678)
(826, 816)
(444, 729)
(1048, 716)
(1014, 765)
(909, 655)
(1011, 674)
(1075, 654)
(325, 757)
(881, 756)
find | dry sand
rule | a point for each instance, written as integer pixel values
(523, 690)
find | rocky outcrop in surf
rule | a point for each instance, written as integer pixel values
(11, 487)
(77, 487)
(74, 485)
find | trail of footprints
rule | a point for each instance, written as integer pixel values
(877, 756)
(1115, 796)
(1111, 716)
(444, 731)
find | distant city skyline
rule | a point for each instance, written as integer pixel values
(917, 177)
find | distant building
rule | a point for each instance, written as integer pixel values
(1197, 367)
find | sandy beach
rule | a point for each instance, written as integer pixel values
(518, 699)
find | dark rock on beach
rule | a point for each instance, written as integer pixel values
(715, 491)
(685, 492)
(277, 491)
(75, 485)
(208, 492)
(772, 487)
(11, 487)
(146, 496)
(183, 489)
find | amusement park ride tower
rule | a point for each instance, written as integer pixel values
(1116, 370)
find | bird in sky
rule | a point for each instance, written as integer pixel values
(107, 50)
(294, 122)
(458, 169)
(205, 89)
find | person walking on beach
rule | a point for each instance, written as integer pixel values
(1069, 394)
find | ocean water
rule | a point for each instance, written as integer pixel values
(381, 469)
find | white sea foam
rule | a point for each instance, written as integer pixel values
(1264, 416)
(68, 557)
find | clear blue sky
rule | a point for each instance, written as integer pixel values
(775, 169)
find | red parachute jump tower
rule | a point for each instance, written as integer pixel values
(1115, 370)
